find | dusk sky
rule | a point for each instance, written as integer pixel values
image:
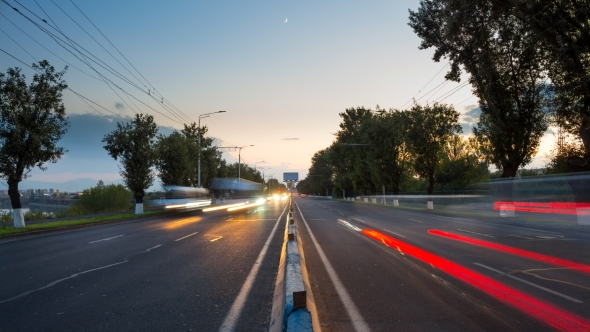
(282, 70)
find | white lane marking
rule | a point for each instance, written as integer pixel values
(349, 225)
(184, 237)
(53, 283)
(462, 230)
(229, 324)
(107, 239)
(392, 232)
(530, 283)
(357, 320)
(523, 237)
(416, 221)
(215, 239)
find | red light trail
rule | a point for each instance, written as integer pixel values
(551, 207)
(545, 312)
(514, 251)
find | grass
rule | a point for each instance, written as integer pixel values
(69, 223)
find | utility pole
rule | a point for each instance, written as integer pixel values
(239, 157)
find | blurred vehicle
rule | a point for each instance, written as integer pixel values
(303, 195)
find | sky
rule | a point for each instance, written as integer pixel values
(282, 71)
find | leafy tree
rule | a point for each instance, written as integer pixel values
(460, 165)
(430, 128)
(388, 152)
(210, 155)
(319, 177)
(32, 121)
(174, 162)
(562, 27)
(507, 66)
(133, 145)
(353, 157)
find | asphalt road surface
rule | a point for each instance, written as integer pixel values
(383, 269)
(187, 272)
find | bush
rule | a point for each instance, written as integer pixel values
(102, 198)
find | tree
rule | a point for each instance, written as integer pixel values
(133, 145)
(460, 165)
(430, 128)
(351, 168)
(319, 177)
(388, 153)
(32, 121)
(210, 155)
(507, 68)
(174, 162)
(562, 26)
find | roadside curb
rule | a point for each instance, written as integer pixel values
(293, 306)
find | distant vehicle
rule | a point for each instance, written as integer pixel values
(303, 195)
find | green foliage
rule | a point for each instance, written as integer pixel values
(32, 122)
(389, 158)
(562, 27)
(133, 145)
(507, 67)
(460, 165)
(174, 163)
(103, 198)
(430, 129)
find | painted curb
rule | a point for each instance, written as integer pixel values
(293, 306)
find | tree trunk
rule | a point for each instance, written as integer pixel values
(17, 212)
(14, 194)
(504, 185)
(430, 203)
(139, 203)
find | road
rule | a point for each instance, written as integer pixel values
(426, 272)
(186, 272)
(371, 268)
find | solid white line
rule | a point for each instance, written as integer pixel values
(184, 237)
(229, 324)
(215, 239)
(107, 239)
(357, 320)
(392, 232)
(530, 283)
(462, 230)
(416, 221)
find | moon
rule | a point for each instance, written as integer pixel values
(285, 20)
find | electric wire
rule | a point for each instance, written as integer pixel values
(128, 61)
(74, 43)
(108, 68)
(76, 93)
(99, 44)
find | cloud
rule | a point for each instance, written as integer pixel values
(290, 139)
(469, 119)
(119, 106)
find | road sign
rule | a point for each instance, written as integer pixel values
(291, 176)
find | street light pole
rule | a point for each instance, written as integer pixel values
(206, 115)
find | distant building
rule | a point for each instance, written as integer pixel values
(51, 190)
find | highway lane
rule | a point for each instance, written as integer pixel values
(180, 272)
(392, 289)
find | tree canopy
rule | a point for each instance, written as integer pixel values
(133, 145)
(32, 121)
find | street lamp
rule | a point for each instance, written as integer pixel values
(206, 115)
